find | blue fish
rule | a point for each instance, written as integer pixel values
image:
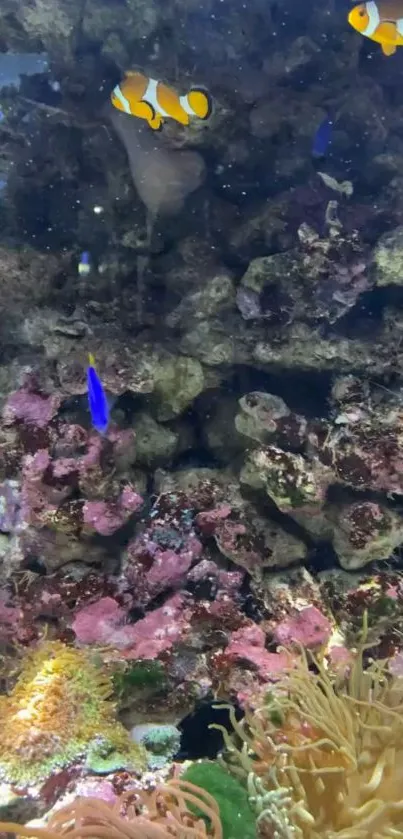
(84, 265)
(97, 401)
(322, 138)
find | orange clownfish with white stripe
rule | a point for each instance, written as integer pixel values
(154, 101)
(381, 21)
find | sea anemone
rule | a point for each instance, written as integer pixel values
(323, 756)
(176, 809)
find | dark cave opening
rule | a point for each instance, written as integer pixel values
(198, 739)
(365, 319)
(303, 391)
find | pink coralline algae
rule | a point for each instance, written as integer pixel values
(30, 407)
(39, 497)
(169, 569)
(309, 628)
(76, 482)
(247, 645)
(340, 659)
(233, 538)
(159, 559)
(149, 571)
(160, 629)
(56, 597)
(106, 517)
(92, 788)
(103, 622)
(209, 520)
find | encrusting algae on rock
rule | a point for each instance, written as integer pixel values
(60, 712)
(323, 757)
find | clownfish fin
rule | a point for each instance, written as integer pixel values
(143, 110)
(91, 360)
(388, 49)
(156, 122)
(200, 101)
(387, 36)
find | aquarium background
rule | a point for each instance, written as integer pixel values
(201, 433)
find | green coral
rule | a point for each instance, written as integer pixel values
(237, 818)
(103, 757)
(59, 711)
(161, 741)
(142, 675)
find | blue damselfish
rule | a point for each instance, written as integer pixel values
(322, 138)
(97, 401)
(84, 265)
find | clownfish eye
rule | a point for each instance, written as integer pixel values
(362, 13)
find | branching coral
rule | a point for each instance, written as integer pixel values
(169, 811)
(324, 757)
(59, 709)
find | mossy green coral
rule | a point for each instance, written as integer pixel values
(142, 675)
(59, 709)
(237, 818)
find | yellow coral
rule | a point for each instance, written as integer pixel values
(324, 758)
(59, 705)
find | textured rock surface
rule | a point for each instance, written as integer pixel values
(388, 259)
(243, 304)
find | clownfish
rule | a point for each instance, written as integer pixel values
(380, 21)
(154, 101)
(97, 401)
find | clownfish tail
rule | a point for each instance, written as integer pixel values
(201, 102)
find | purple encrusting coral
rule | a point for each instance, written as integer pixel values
(103, 623)
(29, 406)
(309, 628)
(106, 517)
(49, 483)
(159, 559)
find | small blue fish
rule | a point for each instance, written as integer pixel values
(97, 401)
(322, 138)
(84, 265)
